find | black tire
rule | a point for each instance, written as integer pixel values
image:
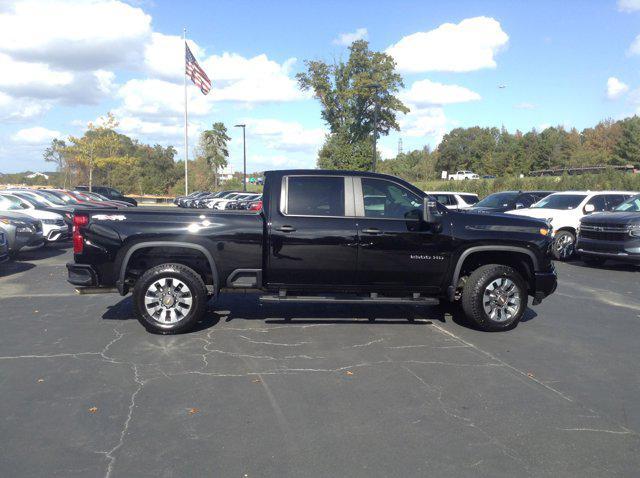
(593, 261)
(563, 246)
(473, 296)
(146, 287)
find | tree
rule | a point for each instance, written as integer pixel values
(338, 152)
(212, 147)
(627, 150)
(56, 153)
(351, 94)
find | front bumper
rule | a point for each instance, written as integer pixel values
(628, 250)
(545, 285)
(82, 275)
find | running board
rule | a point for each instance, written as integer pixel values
(349, 300)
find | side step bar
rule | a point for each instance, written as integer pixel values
(348, 300)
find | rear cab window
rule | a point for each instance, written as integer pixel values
(314, 196)
(469, 198)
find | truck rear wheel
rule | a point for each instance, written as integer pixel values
(170, 298)
(494, 297)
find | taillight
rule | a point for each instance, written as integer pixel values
(78, 240)
(256, 206)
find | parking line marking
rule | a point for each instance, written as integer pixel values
(528, 377)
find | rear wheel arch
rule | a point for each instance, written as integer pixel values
(154, 253)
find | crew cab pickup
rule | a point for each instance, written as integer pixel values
(322, 236)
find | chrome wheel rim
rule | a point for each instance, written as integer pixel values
(564, 245)
(168, 301)
(501, 300)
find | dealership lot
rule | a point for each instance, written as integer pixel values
(303, 390)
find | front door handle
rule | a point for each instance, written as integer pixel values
(372, 231)
(285, 228)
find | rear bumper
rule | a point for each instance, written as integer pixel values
(82, 275)
(545, 285)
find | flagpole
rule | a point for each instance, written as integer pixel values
(186, 136)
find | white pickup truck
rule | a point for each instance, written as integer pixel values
(462, 175)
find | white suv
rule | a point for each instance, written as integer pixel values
(454, 200)
(461, 175)
(565, 209)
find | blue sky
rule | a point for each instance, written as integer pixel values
(571, 63)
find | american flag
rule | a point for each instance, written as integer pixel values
(195, 72)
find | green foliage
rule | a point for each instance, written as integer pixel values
(610, 180)
(417, 165)
(339, 153)
(212, 149)
(349, 92)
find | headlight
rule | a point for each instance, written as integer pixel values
(48, 221)
(635, 230)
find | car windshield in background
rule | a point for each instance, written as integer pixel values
(52, 198)
(497, 200)
(560, 201)
(630, 205)
(469, 199)
(8, 203)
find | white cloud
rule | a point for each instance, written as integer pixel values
(634, 48)
(76, 35)
(615, 88)
(21, 109)
(35, 135)
(289, 136)
(164, 56)
(424, 122)
(628, 5)
(525, 106)
(467, 46)
(428, 93)
(347, 39)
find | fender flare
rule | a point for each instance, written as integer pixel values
(467, 252)
(185, 245)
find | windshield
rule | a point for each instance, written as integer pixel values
(469, 199)
(497, 200)
(630, 205)
(52, 198)
(11, 203)
(32, 198)
(560, 201)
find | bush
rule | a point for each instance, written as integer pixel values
(610, 180)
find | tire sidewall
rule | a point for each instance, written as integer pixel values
(184, 274)
(477, 312)
(559, 234)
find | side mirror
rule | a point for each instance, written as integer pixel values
(589, 208)
(519, 205)
(429, 211)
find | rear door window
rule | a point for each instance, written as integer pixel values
(599, 203)
(391, 200)
(315, 196)
(446, 199)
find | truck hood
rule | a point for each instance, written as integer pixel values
(487, 210)
(620, 218)
(19, 216)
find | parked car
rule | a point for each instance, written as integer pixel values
(179, 199)
(611, 235)
(4, 246)
(109, 193)
(462, 175)
(508, 201)
(220, 201)
(99, 198)
(244, 204)
(454, 200)
(564, 210)
(23, 232)
(53, 225)
(317, 241)
(70, 200)
(242, 199)
(40, 202)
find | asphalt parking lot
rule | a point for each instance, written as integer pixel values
(317, 390)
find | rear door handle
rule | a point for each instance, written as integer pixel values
(372, 231)
(285, 228)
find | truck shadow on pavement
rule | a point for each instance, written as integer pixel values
(247, 307)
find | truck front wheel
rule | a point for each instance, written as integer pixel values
(494, 297)
(170, 298)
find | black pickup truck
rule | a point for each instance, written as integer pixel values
(322, 236)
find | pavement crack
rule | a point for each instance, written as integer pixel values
(272, 343)
(624, 431)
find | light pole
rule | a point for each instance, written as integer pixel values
(376, 87)
(244, 155)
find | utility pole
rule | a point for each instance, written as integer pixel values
(186, 120)
(244, 155)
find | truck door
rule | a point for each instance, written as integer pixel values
(312, 233)
(397, 249)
